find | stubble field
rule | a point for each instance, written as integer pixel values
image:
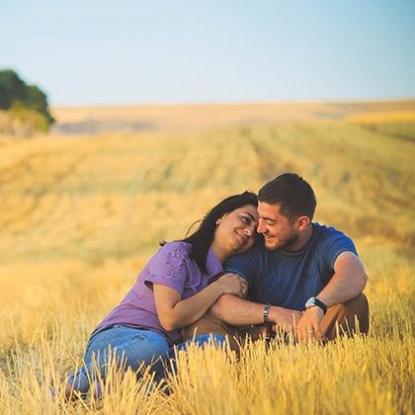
(79, 216)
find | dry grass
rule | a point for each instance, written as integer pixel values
(207, 116)
(79, 217)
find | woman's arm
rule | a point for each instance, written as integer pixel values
(175, 313)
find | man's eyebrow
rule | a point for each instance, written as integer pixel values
(268, 219)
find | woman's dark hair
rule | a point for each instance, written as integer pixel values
(202, 238)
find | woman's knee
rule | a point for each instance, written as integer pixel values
(120, 348)
(144, 346)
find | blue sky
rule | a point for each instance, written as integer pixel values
(127, 52)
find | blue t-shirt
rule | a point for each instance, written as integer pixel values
(289, 279)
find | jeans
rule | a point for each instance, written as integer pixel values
(131, 347)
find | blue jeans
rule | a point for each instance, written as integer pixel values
(131, 347)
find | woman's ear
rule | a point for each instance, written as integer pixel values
(219, 220)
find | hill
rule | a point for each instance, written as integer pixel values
(90, 120)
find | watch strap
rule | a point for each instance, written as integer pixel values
(266, 313)
(320, 304)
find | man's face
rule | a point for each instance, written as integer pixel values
(279, 231)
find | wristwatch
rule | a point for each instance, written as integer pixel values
(266, 313)
(313, 301)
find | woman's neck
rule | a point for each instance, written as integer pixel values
(220, 252)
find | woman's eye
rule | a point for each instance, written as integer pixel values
(246, 220)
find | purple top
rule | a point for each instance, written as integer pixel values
(173, 266)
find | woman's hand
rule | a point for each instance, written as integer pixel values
(175, 312)
(233, 284)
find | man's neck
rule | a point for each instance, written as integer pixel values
(301, 241)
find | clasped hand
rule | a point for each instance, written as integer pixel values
(304, 325)
(308, 328)
(233, 284)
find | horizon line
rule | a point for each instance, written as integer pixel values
(242, 102)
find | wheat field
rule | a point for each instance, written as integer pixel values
(81, 214)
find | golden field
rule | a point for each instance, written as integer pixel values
(81, 213)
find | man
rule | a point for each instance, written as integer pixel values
(303, 278)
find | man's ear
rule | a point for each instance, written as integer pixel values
(303, 222)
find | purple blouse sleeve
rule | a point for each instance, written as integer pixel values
(169, 267)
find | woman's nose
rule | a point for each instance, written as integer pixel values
(249, 230)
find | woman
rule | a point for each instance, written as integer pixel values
(177, 287)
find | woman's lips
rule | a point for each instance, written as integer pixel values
(242, 238)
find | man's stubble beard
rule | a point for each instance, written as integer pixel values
(285, 245)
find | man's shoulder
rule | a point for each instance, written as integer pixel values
(329, 242)
(324, 232)
(253, 254)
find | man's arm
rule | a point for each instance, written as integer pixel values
(348, 281)
(239, 312)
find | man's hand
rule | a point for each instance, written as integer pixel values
(284, 318)
(308, 328)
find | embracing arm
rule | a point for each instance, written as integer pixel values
(175, 313)
(238, 312)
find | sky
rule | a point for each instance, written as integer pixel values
(144, 52)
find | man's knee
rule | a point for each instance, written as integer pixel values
(358, 303)
(358, 309)
(347, 318)
(356, 306)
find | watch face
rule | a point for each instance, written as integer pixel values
(310, 302)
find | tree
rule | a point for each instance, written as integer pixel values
(16, 94)
(12, 89)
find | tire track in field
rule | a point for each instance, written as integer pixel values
(269, 163)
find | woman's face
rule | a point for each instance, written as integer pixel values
(236, 230)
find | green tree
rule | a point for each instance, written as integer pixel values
(12, 89)
(16, 94)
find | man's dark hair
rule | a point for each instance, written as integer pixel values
(294, 195)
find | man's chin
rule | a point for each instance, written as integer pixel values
(274, 244)
(271, 245)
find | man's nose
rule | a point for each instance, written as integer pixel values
(260, 228)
